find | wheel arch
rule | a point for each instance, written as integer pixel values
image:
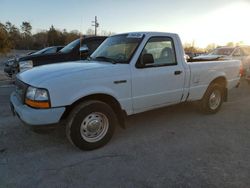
(222, 81)
(106, 98)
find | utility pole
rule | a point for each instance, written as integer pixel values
(95, 24)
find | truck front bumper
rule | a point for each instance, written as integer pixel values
(35, 117)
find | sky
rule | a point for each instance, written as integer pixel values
(200, 21)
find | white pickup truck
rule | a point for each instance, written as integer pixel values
(128, 74)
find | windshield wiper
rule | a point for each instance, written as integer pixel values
(106, 59)
(89, 58)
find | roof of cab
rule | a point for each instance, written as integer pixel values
(148, 33)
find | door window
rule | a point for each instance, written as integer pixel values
(161, 49)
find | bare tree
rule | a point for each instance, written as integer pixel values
(211, 47)
(90, 32)
(5, 44)
(230, 44)
(26, 28)
(107, 33)
(14, 35)
(26, 35)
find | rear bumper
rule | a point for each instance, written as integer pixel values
(35, 117)
(247, 75)
(233, 83)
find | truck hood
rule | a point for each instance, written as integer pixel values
(39, 74)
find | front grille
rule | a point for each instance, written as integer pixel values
(21, 88)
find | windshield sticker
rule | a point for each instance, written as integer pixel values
(135, 35)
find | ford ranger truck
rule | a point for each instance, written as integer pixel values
(127, 74)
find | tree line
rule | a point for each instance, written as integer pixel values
(21, 38)
(192, 48)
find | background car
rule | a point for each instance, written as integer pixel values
(241, 53)
(227, 53)
(76, 50)
(11, 65)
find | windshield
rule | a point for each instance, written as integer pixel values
(222, 51)
(68, 48)
(119, 48)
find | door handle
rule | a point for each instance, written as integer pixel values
(177, 72)
(120, 81)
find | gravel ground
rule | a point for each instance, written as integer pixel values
(3, 77)
(170, 147)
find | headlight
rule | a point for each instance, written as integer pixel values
(10, 63)
(25, 65)
(37, 98)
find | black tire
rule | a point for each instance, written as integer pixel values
(205, 106)
(77, 130)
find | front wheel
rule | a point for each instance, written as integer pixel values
(212, 100)
(91, 125)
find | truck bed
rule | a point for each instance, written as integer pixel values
(203, 72)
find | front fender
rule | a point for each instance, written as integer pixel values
(92, 91)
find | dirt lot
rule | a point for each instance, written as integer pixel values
(2, 75)
(170, 147)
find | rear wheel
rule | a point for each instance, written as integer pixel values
(91, 125)
(212, 100)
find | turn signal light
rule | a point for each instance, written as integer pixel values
(37, 104)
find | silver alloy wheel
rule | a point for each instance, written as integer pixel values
(215, 99)
(94, 127)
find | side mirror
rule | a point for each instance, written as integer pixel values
(147, 59)
(84, 49)
(187, 57)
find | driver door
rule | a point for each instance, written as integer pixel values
(160, 83)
